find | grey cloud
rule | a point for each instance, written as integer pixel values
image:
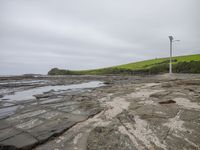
(37, 35)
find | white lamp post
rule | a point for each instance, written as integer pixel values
(170, 61)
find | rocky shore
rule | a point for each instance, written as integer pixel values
(160, 112)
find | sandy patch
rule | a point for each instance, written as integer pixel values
(186, 103)
(140, 131)
(116, 107)
(175, 124)
(144, 93)
(75, 141)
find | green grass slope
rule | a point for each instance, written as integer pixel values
(183, 64)
(149, 63)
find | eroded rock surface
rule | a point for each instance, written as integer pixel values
(131, 113)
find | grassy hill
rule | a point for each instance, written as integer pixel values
(183, 64)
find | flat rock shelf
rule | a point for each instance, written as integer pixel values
(160, 112)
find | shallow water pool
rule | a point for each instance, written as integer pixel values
(29, 94)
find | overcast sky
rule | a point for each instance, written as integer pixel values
(37, 35)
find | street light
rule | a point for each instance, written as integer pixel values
(170, 63)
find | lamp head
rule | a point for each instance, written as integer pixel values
(176, 40)
(171, 38)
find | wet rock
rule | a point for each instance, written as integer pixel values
(191, 116)
(51, 91)
(53, 128)
(167, 102)
(29, 124)
(160, 94)
(176, 142)
(126, 116)
(167, 85)
(107, 83)
(108, 138)
(19, 141)
(45, 95)
(4, 99)
(4, 124)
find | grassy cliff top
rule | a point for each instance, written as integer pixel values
(149, 63)
(141, 66)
